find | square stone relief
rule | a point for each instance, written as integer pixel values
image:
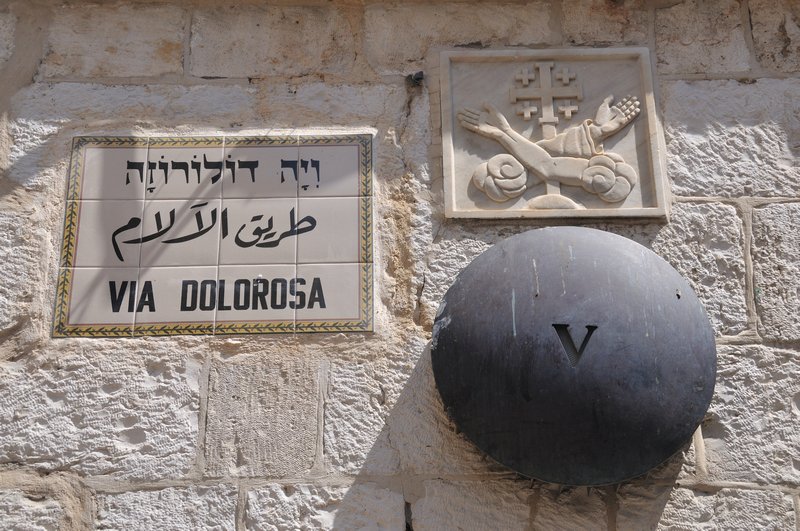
(217, 235)
(551, 134)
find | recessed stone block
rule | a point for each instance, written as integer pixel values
(700, 36)
(776, 33)
(114, 41)
(600, 22)
(262, 418)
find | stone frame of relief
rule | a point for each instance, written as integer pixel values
(217, 235)
(567, 133)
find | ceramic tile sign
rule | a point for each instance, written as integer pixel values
(217, 235)
(550, 133)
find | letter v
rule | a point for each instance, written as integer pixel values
(573, 354)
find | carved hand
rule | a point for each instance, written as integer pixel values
(609, 119)
(491, 124)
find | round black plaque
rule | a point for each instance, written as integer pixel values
(574, 356)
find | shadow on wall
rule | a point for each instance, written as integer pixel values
(420, 467)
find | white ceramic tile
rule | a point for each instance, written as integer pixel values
(333, 292)
(108, 233)
(111, 172)
(252, 297)
(185, 172)
(261, 167)
(335, 237)
(101, 296)
(329, 170)
(181, 233)
(181, 295)
(261, 231)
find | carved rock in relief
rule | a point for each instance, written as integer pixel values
(573, 157)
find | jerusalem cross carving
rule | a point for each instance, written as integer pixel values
(544, 133)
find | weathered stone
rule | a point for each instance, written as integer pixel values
(602, 22)
(776, 33)
(360, 506)
(746, 148)
(700, 36)
(753, 430)
(174, 508)
(705, 243)
(21, 253)
(115, 41)
(482, 504)
(424, 437)
(29, 513)
(726, 509)
(776, 246)
(32, 142)
(574, 508)
(126, 410)
(262, 418)
(271, 40)
(8, 23)
(356, 436)
(134, 105)
(398, 37)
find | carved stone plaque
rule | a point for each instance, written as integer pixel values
(551, 133)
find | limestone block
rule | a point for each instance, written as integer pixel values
(732, 138)
(753, 429)
(262, 417)
(8, 24)
(33, 151)
(114, 41)
(726, 509)
(358, 402)
(133, 105)
(699, 36)
(574, 508)
(485, 504)
(705, 243)
(29, 513)
(424, 437)
(174, 508)
(271, 40)
(360, 506)
(21, 253)
(602, 22)
(776, 244)
(125, 409)
(398, 37)
(776, 33)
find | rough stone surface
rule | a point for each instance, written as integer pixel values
(123, 409)
(705, 243)
(731, 138)
(776, 33)
(356, 435)
(20, 256)
(776, 246)
(29, 513)
(97, 105)
(602, 22)
(699, 36)
(753, 429)
(271, 40)
(472, 505)
(115, 41)
(398, 37)
(8, 24)
(360, 506)
(586, 509)
(262, 418)
(727, 509)
(170, 509)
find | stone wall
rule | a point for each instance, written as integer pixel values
(347, 430)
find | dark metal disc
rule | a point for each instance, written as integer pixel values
(574, 356)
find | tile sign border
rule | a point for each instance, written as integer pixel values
(359, 319)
